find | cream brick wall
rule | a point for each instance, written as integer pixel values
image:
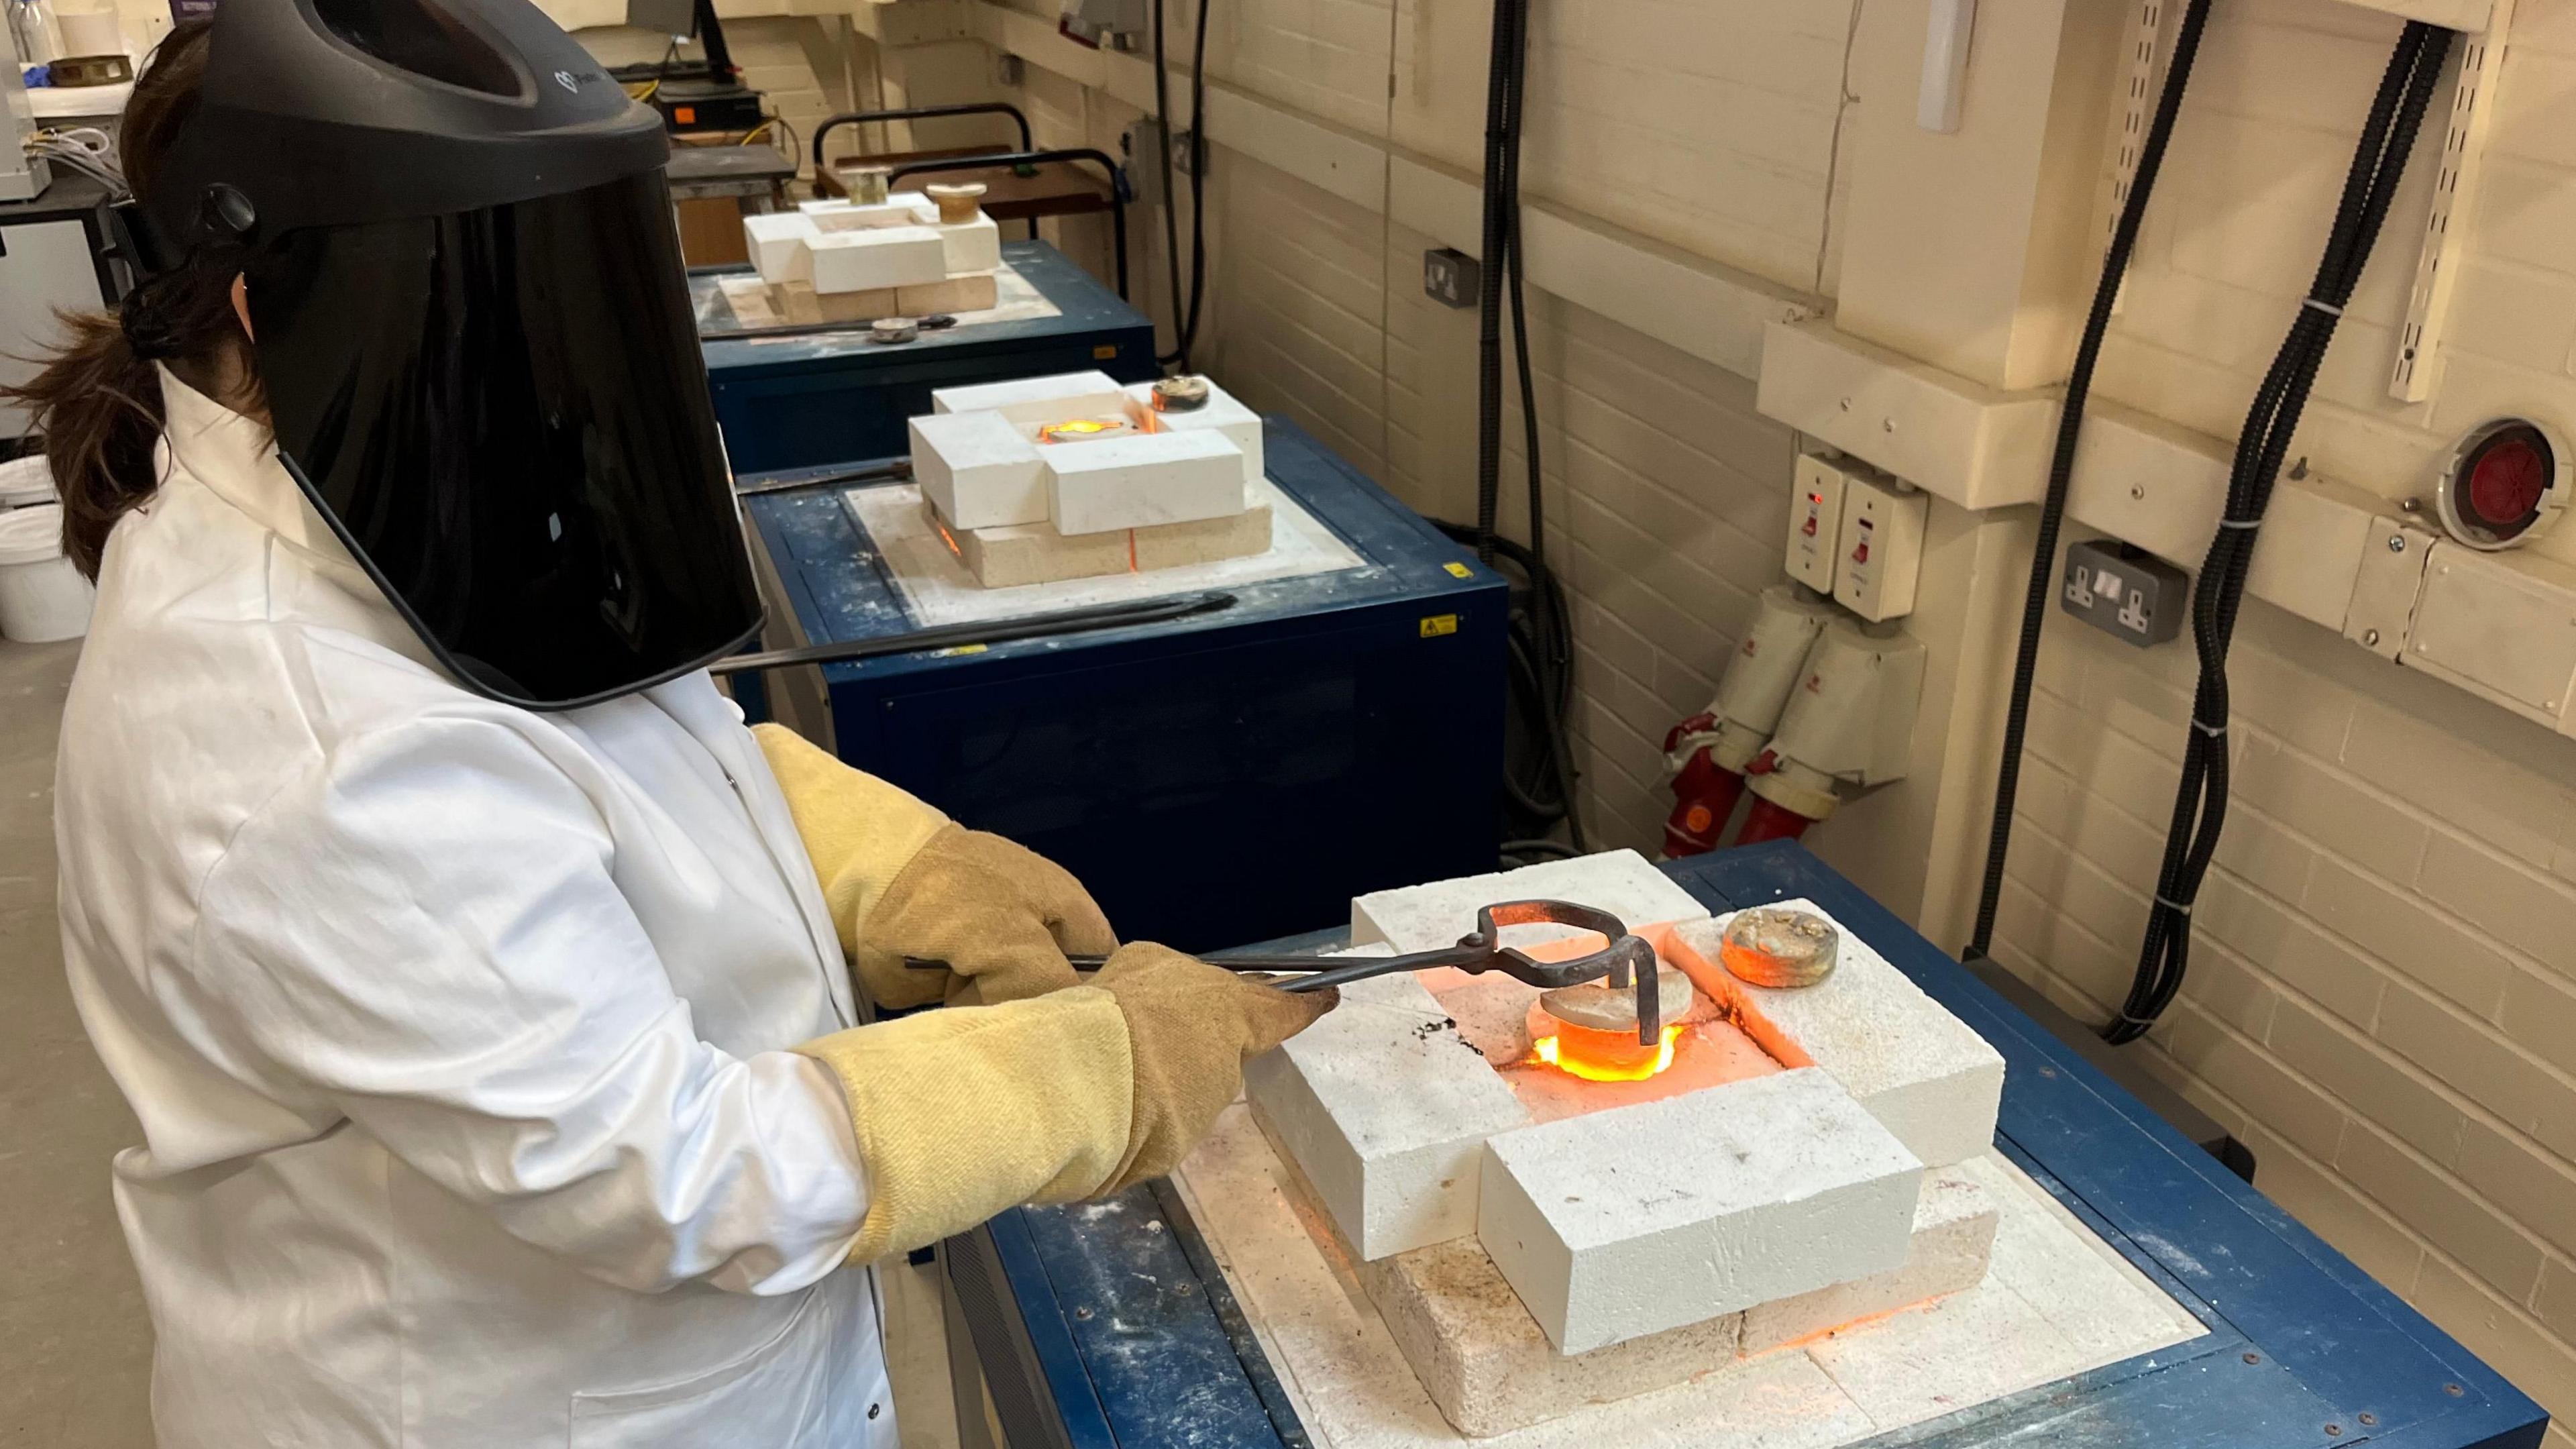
(1663, 512)
(2233, 238)
(2383, 988)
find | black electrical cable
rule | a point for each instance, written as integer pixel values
(1505, 55)
(2200, 800)
(1185, 314)
(1198, 180)
(1180, 353)
(2061, 468)
(1539, 788)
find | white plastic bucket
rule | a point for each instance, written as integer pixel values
(42, 597)
(26, 482)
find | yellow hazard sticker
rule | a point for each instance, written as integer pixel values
(960, 649)
(1459, 571)
(1103, 351)
(1439, 624)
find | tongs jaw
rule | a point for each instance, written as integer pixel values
(1627, 960)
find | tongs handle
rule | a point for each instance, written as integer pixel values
(1625, 959)
(1319, 974)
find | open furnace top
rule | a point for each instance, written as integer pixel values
(1782, 1149)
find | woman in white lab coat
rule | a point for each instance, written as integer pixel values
(482, 985)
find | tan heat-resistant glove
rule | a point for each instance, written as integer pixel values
(905, 883)
(962, 1113)
(1192, 1027)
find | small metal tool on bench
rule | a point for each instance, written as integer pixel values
(1627, 960)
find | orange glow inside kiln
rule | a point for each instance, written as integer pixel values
(1605, 1056)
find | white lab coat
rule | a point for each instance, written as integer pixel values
(455, 1030)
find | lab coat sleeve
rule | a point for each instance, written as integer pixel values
(423, 932)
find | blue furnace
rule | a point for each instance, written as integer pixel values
(1212, 779)
(797, 397)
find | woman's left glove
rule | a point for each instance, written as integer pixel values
(905, 883)
(960, 1114)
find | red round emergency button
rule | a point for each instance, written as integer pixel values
(2505, 481)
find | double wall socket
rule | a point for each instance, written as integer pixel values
(1452, 278)
(2124, 591)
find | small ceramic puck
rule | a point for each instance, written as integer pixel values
(1180, 394)
(893, 329)
(958, 201)
(1773, 946)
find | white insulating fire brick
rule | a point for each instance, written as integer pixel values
(1426, 917)
(978, 471)
(1143, 479)
(1919, 1070)
(1220, 414)
(1044, 399)
(971, 292)
(1639, 1219)
(879, 257)
(1479, 1354)
(973, 246)
(904, 208)
(1954, 1238)
(1178, 545)
(778, 242)
(1034, 553)
(1386, 1109)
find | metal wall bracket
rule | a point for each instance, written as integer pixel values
(2437, 267)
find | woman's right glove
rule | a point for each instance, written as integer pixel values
(963, 1112)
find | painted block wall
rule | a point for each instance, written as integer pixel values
(1663, 520)
(2234, 236)
(2383, 989)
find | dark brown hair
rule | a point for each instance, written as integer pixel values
(98, 401)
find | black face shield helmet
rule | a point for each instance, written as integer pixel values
(473, 329)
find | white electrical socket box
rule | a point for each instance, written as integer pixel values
(1881, 553)
(1816, 522)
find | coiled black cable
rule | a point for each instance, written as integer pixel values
(1539, 653)
(1540, 633)
(1185, 312)
(2200, 800)
(2061, 467)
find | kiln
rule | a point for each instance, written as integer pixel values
(1989, 1241)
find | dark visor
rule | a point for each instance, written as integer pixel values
(504, 415)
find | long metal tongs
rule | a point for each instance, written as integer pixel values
(1627, 960)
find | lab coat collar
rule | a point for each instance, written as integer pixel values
(236, 459)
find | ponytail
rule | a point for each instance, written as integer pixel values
(97, 400)
(98, 405)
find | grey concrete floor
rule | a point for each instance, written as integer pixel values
(75, 1343)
